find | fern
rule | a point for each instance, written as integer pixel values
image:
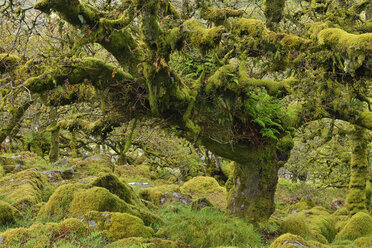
(265, 112)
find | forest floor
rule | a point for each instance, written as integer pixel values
(91, 202)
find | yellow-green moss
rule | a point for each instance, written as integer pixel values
(316, 224)
(342, 41)
(294, 224)
(289, 241)
(117, 226)
(150, 243)
(58, 204)
(358, 226)
(8, 61)
(251, 27)
(201, 185)
(206, 187)
(274, 10)
(217, 15)
(24, 188)
(152, 194)
(364, 242)
(42, 235)
(203, 38)
(94, 166)
(77, 199)
(115, 186)
(8, 213)
(304, 204)
(200, 203)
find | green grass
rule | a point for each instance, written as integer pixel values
(206, 228)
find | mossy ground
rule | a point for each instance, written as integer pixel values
(114, 214)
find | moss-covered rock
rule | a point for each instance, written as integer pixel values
(94, 165)
(200, 203)
(206, 187)
(24, 189)
(58, 204)
(8, 213)
(358, 226)
(77, 199)
(289, 241)
(115, 186)
(43, 235)
(316, 224)
(150, 243)
(152, 194)
(117, 226)
(364, 242)
(303, 204)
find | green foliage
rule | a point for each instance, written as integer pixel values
(206, 228)
(265, 112)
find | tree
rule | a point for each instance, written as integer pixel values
(253, 84)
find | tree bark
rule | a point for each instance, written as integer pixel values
(54, 143)
(252, 196)
(356, 196)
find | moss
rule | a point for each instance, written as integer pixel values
(222, 78)
(356, 195)
(24, 188)
(303, 204)
(295, 42)
(8, 61)
(358, 226)
(150, 243)
(117, 226)
(251, 27)
(58, 204)
(355, 47)
(115, 186)
(294, 224)
(8, 214)
(203, 38)
(363, 242)
(316, 224)
(200, 203)
(206, 187)
(43, 235)
(76, 199)
(201, 185)
(152, 194)
(96, 198)
(274, 10)
(94, 166)
(219, 16)
(288, 241)
(272, 87)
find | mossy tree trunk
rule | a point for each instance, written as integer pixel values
(127, 144)
(252, 196)
(54, 143)
(255, 178)
(356, 196)
(73, 144)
